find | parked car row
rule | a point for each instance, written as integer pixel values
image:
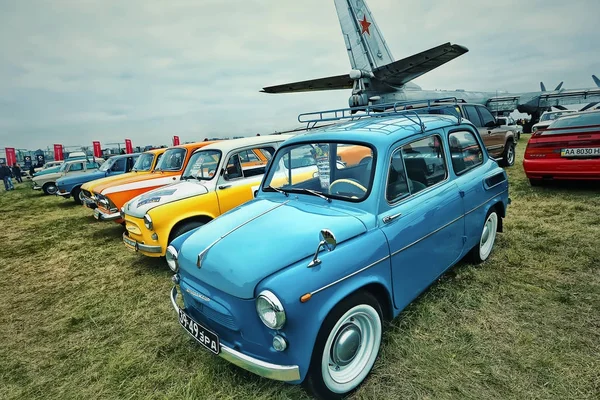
(290, 253)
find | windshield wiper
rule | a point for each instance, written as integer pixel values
(313, 192)
(278, 190)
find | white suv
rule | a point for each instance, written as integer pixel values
(509, 123)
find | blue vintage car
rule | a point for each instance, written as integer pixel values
(70, 186)
(296, 284)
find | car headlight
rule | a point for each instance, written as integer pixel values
(270, 310)
(148, 221)
(171, 257)
(122, 212)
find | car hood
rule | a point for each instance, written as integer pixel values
(89, 176)
(140, 205)
(159, 178)
(258, 239)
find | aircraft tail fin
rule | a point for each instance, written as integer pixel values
(364, 41)
(596, 80)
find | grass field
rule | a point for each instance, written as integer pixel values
(83, 317)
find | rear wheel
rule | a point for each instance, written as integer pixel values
(76, 194)
(508, 157)
(483, 249)
(49, 188)
(346, 347)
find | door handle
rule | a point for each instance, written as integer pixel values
(224, 186)
(489, 132)
(390, 218)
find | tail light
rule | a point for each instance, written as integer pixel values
(545, 150)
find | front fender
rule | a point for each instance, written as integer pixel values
(166, 216)
(352, 265)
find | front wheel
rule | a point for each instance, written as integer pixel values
(346, 347)
(482, 250)
(50, 188)
(76, 193)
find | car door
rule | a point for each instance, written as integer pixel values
(422, 216)
(241, 177)
(495, 134)
(76, 168)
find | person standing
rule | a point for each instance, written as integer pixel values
(5, 174)
(16, 169)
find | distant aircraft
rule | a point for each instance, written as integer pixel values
(376, 78)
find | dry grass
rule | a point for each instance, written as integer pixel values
(82, 317)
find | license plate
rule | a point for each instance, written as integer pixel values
(206, 338)
(581, 152)
(132, 244)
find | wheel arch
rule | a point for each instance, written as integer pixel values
(192, 218)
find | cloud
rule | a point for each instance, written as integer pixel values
(74, 71)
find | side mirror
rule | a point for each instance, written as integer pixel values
(328, 241)
(492, 124)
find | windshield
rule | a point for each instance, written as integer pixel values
(107, 165)
(172, 159)
(330, 169)
(63, 167)
(202, 165)
(144, 162)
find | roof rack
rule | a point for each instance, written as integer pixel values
(404, 109)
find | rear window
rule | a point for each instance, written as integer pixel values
(577, 120)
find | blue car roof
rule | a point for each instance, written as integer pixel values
(378, 131)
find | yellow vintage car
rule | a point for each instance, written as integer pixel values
(218, 178)
(145, 164)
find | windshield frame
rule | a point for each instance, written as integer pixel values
(108, 163)
(163, 159)
(141, 156)
(272, 166)
(217, 169)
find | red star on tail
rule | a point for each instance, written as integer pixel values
(365, 25)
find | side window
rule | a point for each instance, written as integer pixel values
(487, 119)
(465, 151)
(473, 116)
(119, 165)
(76, 167)
(234, 168)
(397, 184)
(424, 162)
(267, 152)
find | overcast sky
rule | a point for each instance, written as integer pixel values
(73, 71)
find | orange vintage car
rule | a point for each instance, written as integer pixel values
(145, 164)
(111, 197)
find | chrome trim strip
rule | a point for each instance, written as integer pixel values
(203, 252)
(63, 194)
(426, 236)
(102, 216)
(485, 202)
(350, 275)
(286, 373)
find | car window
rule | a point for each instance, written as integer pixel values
(397, 184)
(76, 167)
(465, 151)
(353, 154)
(267, 153)
(119, 164)
(424, 163)
(473, 116)
(487, 119)
(577, 120)
(245, 164)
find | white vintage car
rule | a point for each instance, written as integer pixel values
(47, 182)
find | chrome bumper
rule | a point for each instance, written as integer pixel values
(286, 373)
(36, 187)
(58, 193)
(140, 246)
(89, 203)
(102, 216)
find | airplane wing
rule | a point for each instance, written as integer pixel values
(329, 83)
(402, 71)
(543, 100)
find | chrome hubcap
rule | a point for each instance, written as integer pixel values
(346, 345)
(486, 233)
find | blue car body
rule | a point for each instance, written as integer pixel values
(116, 165)
(393, 251)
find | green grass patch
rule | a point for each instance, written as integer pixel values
(83, 317)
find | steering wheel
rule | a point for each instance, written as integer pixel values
(350, 186)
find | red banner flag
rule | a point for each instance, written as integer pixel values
(11, 156)
(128, 146)
(58, 152)
(97, 149)
(175, 140)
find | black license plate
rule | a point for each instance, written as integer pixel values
(132, 244)
(206, 338)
